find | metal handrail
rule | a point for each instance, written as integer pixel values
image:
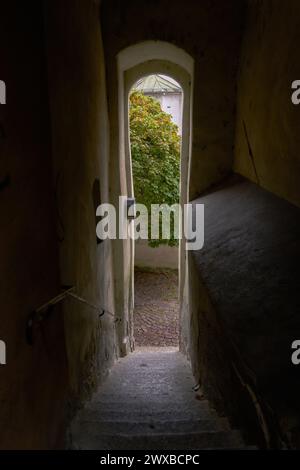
(55, 300)
(94, 307)
(44, 310)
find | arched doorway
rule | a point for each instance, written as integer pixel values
(133, 63)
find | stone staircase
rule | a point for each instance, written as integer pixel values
(148, 403)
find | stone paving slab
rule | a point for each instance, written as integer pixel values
(156, 316)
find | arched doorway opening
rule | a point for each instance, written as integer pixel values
(133, 63)
(155, 137)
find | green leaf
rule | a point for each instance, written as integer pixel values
(155, 151)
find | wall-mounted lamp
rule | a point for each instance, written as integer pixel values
(131, 208)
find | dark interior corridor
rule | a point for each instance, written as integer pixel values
(70, 374)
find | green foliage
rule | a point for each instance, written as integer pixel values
(155, 151)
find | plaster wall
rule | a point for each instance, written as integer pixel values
(267, 131)
(244, 299)
(80, 143)
(162, 256)
(172, 104)
(33, 382)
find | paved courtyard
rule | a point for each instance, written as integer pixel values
(156, 308)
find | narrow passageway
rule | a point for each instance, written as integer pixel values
(87, 137)
(149, 402)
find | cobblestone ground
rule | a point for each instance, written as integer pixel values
(156, 308)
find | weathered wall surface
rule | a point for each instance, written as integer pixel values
(80, 152)
(33, 383)
(162, 256)
(267, 121)
(240, 304)
(215, 362)
(247, 312)
(210, 32)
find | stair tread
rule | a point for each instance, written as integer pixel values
(164, 441)
(151, 427)
(148, 403)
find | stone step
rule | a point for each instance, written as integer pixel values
(141, 415)
(139, 401)
(149, 427)
(149, 391)
(148, 403)
(141, 383)
(180, 441)
(155, 408)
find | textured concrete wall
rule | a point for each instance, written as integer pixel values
(80, 153)
(267, 121)
(33, 383)
(247, 311)
(215, 361)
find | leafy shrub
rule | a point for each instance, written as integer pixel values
(155, 151)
